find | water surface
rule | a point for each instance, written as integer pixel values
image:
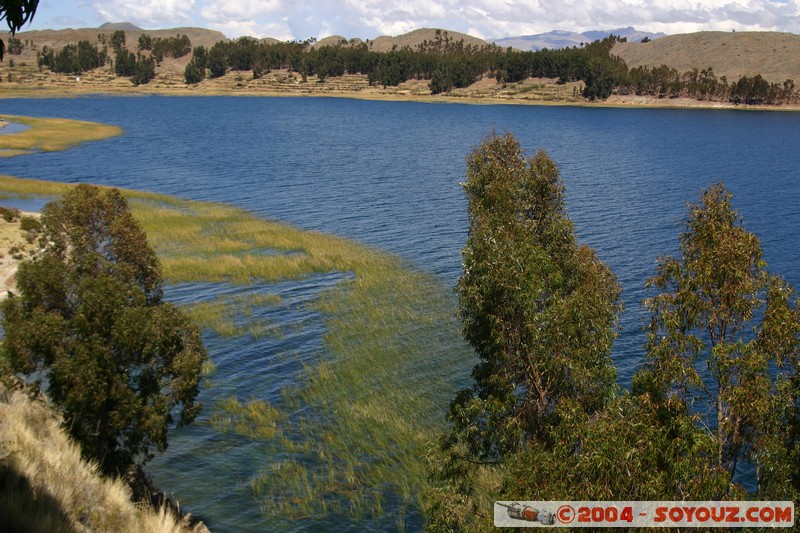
(388, 174)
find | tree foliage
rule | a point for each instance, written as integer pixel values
(177, 46)
(125, 63)
(144, 72)
(72, 59)
(15, 46)
(724, 338)
(540, 311)
(666, 82)
(145, 42)
(91, 323)
(195, 71)
(118, 39)
(17, 13)
(538, 308)
(720, 384)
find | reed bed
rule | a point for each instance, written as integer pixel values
(51, 134)
(233, 316)
(350, 437)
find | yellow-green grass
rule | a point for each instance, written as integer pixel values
(225, 315)
(352, 435)
(256, 419)
(51, 134)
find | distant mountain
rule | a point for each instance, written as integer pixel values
(552, 40)
(124, 26)
(632, 34)
(564, 39)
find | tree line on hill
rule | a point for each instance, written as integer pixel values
(140, 68)
(446, 63)
(450, 64)
(90, 322)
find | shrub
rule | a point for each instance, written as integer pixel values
(30, 224)
(9, 214)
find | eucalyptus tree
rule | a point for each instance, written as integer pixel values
(540, 311)
(724, 340)
(538, 308)
(91, 324)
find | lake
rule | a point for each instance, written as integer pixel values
(387, 174)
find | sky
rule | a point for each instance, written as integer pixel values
(367, 19)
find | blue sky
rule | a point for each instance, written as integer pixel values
(289, 19)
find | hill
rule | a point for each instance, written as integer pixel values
(417, 37)
(124, 26)
(735, 54)
(412, 39)
(59, 38)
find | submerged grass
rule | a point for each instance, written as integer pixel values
(51, 134)
(233, 315)
(256, 419)
(351, 436)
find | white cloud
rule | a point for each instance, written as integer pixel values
(277, 30)
(146, 12)
(222, 11)
(487, 18)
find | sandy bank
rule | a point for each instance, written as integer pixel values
(533, 91)
(14, 249)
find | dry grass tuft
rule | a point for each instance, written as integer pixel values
(47, 486)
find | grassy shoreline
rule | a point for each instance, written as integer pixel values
(51, 134)
(371, 409)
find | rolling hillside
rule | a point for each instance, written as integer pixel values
(60, 38)
(773, 55)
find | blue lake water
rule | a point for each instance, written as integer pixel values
(388, 174)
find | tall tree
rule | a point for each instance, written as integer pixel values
(91, 322)
(724, 338)
(539, 309)
(118, 41)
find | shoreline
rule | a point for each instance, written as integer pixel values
(383, 95)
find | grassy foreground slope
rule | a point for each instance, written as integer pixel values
(352, 434)
(47, 487)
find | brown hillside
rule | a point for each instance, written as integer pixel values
(773, 55)
(59, 38)
(416, 37)
(336, 40)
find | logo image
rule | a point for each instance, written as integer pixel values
(517, 511)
